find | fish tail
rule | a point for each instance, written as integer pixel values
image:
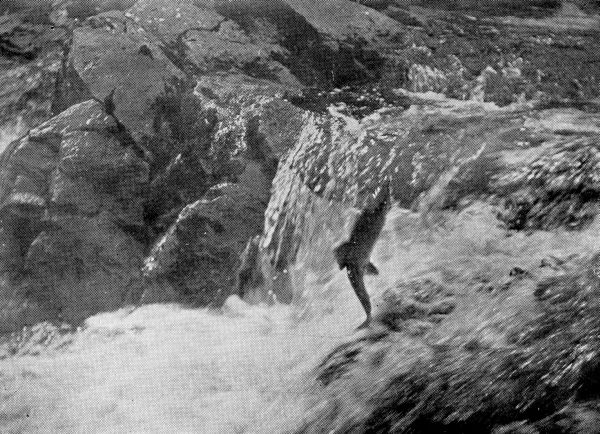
(356, 277)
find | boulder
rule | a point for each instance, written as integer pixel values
(72, 214)
(111, 52)
(290, 42)
(199, 255)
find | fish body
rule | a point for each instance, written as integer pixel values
(355, 254)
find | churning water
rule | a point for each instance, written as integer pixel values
(163, 368)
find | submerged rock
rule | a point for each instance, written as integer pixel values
(560, 188)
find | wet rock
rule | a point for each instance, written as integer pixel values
(109, 43)
(31, 56)
(249, 275)
(34, 340)
(289, 42)
(200, 40)
(412, 304)
(72, 207)
(353, 101)
(200, 253)
(453, 45)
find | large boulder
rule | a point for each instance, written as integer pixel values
(72, 214)
(291, 42)
(111, 53)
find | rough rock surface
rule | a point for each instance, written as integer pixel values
(31, 57)
(71, 206)
(198, 253)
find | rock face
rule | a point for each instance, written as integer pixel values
(197, 255)
(109, 43)
(71, 205)
(544, 378)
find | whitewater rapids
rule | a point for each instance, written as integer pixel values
(245, 369)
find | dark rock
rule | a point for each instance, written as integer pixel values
(289, 42)
(356, 101)
(249, 276)
(31, 66)
(71, 200)
(199, 255)
(412, 304)
(111, 42)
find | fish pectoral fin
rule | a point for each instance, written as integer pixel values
(371, 269)
(341, 252)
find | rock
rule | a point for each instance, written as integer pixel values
(290, 42)
(109, 43)
(249, 274)
(30, 67)
(32, 341)
(203, 41)
(412, 304)
(199, 255)
(452, 44)
(72, 203)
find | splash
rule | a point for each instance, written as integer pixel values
(11, 132)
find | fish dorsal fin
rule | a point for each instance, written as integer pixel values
(371, 269)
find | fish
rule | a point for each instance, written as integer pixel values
(355, 254)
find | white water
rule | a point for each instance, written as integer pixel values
(8, 133)
(164, 369)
